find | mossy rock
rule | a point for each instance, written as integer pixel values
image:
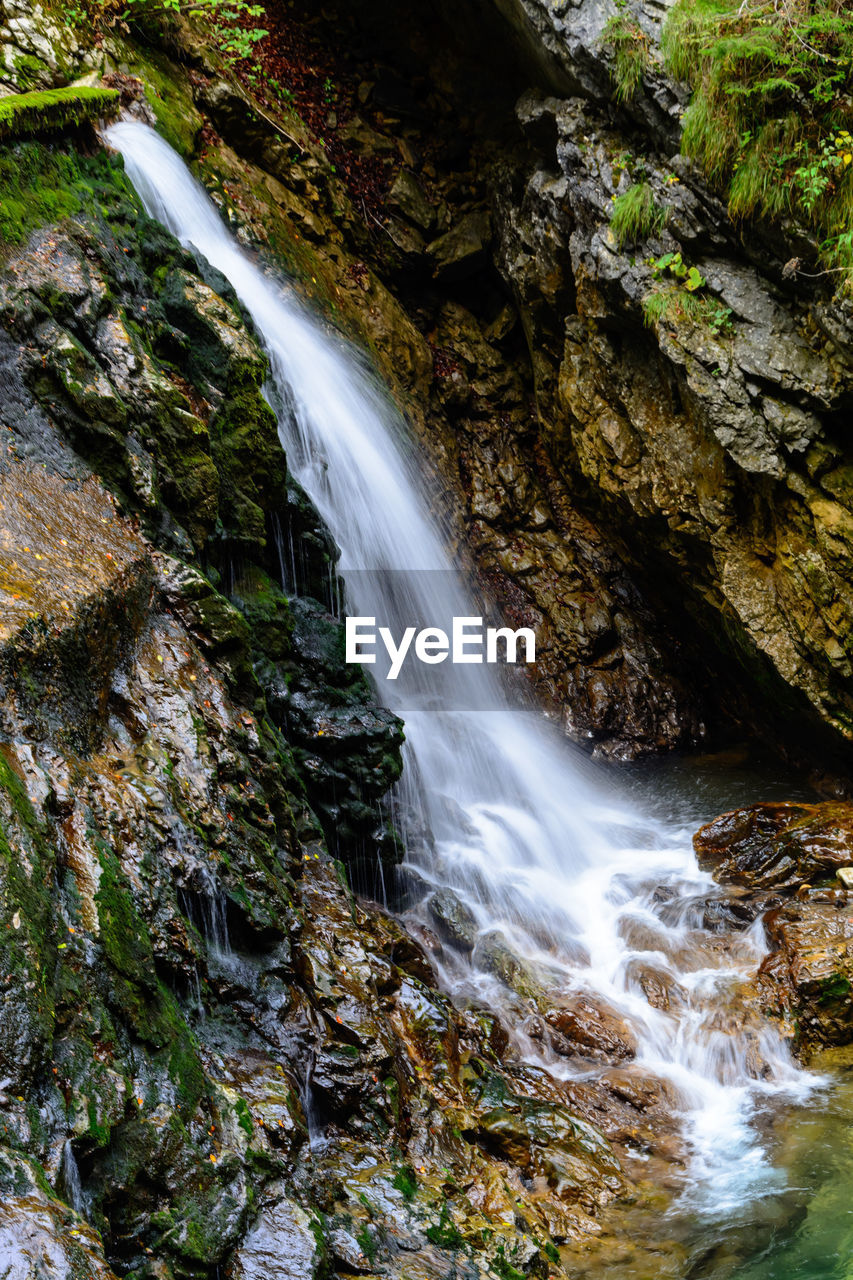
(52, 110)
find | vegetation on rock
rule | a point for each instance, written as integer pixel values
(629, 45)
(636, 214)
(51, 110)
(771, 113)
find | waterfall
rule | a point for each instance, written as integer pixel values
(593, 895)
(71, 1183)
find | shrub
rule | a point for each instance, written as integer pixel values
(48, 111)
(232, 23)
(636, 214)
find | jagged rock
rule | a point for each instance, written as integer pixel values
(778, 846)
(462, 250)
(280, 1245)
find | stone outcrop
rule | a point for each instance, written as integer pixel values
(785, 860)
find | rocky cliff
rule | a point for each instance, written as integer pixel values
(215, 1060)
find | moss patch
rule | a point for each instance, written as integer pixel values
(51, 110)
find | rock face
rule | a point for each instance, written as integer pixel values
(773, 852)
(664, 491)
(710, 444)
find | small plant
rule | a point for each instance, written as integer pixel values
(691, 277)
(630, 47)
(683, 299)
(233, 23)
(670, 304)
(636, 215)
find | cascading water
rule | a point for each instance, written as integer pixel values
(592, 895)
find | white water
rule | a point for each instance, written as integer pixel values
(517, 822)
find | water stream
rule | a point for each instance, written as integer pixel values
(587, 887)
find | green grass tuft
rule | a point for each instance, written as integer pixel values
(668, 304)
(51, 110)
(630, 48)
(636, 215)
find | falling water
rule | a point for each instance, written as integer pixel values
(593, 895)
(72, 1185)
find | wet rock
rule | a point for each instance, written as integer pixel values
(39, 1235)
(494, 954)
(586, 1028)
(280, 1245)
(807, 978)
(454, 921)
(779, 846)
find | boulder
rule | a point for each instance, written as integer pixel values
(807, 979)
(777, 846)
(454, 922)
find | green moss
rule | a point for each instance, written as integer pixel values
(367, 1244)
(636, 215)
(504, 1267)
(837, 987)
(248, 455)
(51, 110)
(169, 93)
(444, 1233)
(44, 183)
(98, 1132)
(244, 1117)
(406, 1182)
(123, 933)
(629, 45)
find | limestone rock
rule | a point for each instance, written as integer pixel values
(280, 1245)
